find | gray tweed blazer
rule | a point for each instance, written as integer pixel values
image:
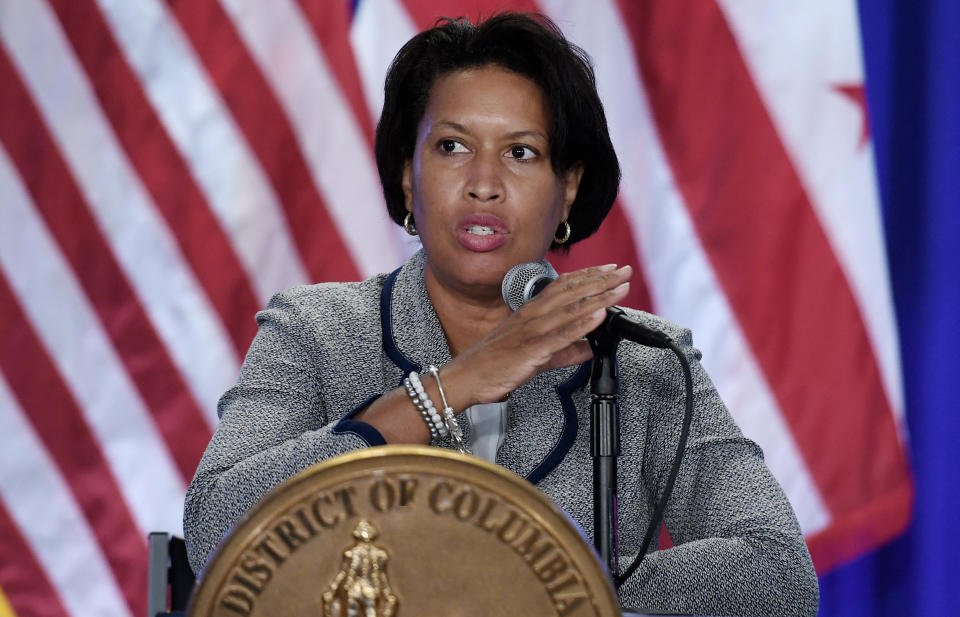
(325, 351)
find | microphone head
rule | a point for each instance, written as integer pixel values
(523, 281)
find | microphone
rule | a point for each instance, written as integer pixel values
(524, 281)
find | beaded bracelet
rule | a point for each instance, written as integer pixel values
(423, 410)
(428, 411)
(453, 427)
(421, 400)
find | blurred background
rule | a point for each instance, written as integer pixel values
(790, 182)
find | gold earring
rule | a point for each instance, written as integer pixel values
(566, 233)
(409, 225)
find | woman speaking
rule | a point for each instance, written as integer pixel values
(493, 149)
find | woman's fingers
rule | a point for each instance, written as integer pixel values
(564, 314)
(577, 286)
(569, 320)
(577, 352)
(547, 333)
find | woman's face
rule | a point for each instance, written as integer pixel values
(481, 187)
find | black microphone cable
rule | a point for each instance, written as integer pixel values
(654, 525)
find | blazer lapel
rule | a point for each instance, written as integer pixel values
(543, 422)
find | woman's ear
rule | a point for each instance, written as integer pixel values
(571, 184)
(406, 183)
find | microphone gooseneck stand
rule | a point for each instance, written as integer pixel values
(604, 443)
(605, 434)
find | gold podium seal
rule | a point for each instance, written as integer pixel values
(405, 531)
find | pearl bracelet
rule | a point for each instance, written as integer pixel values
(423, 410)
(421, 400)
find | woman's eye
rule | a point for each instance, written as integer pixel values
(522, 153)
(452, 146)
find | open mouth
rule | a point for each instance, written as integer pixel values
(482, 233)
(480, 230)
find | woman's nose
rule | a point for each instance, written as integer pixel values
(484, 182)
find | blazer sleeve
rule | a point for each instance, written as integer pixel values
(738, 547)
(273, 424)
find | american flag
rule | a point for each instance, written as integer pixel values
(165, 167)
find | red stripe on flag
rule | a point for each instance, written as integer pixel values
(426, 12)
(331, 25)
(56, 417)
(265, 125)
(161, 168)
(60, 202)
(22, 578)
(613, 242)
(773, 260)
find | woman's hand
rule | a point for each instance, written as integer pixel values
(544, 334)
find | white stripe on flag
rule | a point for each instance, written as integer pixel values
(378, 31)
(278, 36)
(682, 284)
(148, 254)
(216, 152)
(44, 511)
(821, 130)
(71, 333)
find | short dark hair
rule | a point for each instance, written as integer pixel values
(528, 44)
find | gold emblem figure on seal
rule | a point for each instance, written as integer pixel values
(361, 587)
